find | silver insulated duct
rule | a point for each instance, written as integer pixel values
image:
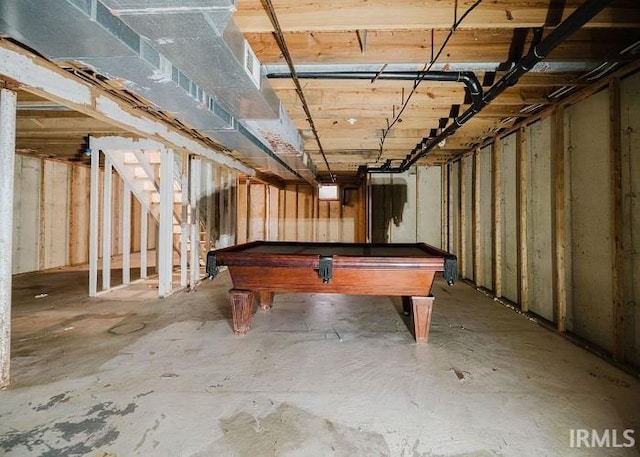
(187, 57)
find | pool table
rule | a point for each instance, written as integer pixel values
(266, 267)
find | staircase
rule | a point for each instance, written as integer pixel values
(140, 169)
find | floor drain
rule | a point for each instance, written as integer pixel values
(125, 329)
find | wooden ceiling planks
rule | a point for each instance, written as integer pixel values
(351, 115)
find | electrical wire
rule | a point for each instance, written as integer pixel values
(279, 36)
(425, 69)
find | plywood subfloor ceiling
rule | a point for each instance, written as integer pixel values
(353, 116)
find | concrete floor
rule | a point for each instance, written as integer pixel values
(319, 375)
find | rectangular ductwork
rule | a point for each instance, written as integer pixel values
(187, 57)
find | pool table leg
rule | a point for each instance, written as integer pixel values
(266, 300)
(422, 307)
(241, 306)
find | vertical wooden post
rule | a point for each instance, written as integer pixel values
(444, 206)
(73, 216)
(477, 264)
(184, 222)
(106, 221)
(194, 197)
(462, 250)
(617, 222)
(144, 233)
(165, 230)
(209, 207)
(8, 102)
(497, 210)
(559, 225)
(93, 223)
(521, 211)
(126, 234)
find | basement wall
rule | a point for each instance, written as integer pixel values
(539, 218)
(509, 220)
(51, 215)
(630, 152)
(295, 213)
(590, 218)
(567, 217)
(407, 207)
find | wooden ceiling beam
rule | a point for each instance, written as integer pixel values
(411, 46)
(351, 15)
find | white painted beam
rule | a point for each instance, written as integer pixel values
(93, 223)
(165, 238)
(144, 233)
(107, 191)
(184, 222)
(194, 196)
(126, 234)
(8, 100)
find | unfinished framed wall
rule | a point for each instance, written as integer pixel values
(294, 213)
(407, 207)
(51, 215)
(558, 196)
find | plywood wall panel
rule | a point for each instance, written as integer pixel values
(427, 199)
(630, 123)
(485, 219)
(26, 214)
(509, 219)
(54, 214)
(467, 210)
(274, 211)
(305, 220)
(257, 212)
(539, 219)
(80, 190)
(290, 213)
(242, 203)
(590, 215)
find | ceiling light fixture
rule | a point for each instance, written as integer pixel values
(352, 120)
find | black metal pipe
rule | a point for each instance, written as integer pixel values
(537, 53)
(468, 78)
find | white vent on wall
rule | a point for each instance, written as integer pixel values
(251, 64)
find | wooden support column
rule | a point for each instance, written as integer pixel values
(107, 196)
(521, 211)
(209, 205)
(497, 210)
(94, 231)
(194, 197)
(444, 207)
(184, 221)
(617, 222)
(144, 234)
(8, 100)
(126, 234)
(462, 240)
(475, 231)
(165, 236)
(559, 224)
